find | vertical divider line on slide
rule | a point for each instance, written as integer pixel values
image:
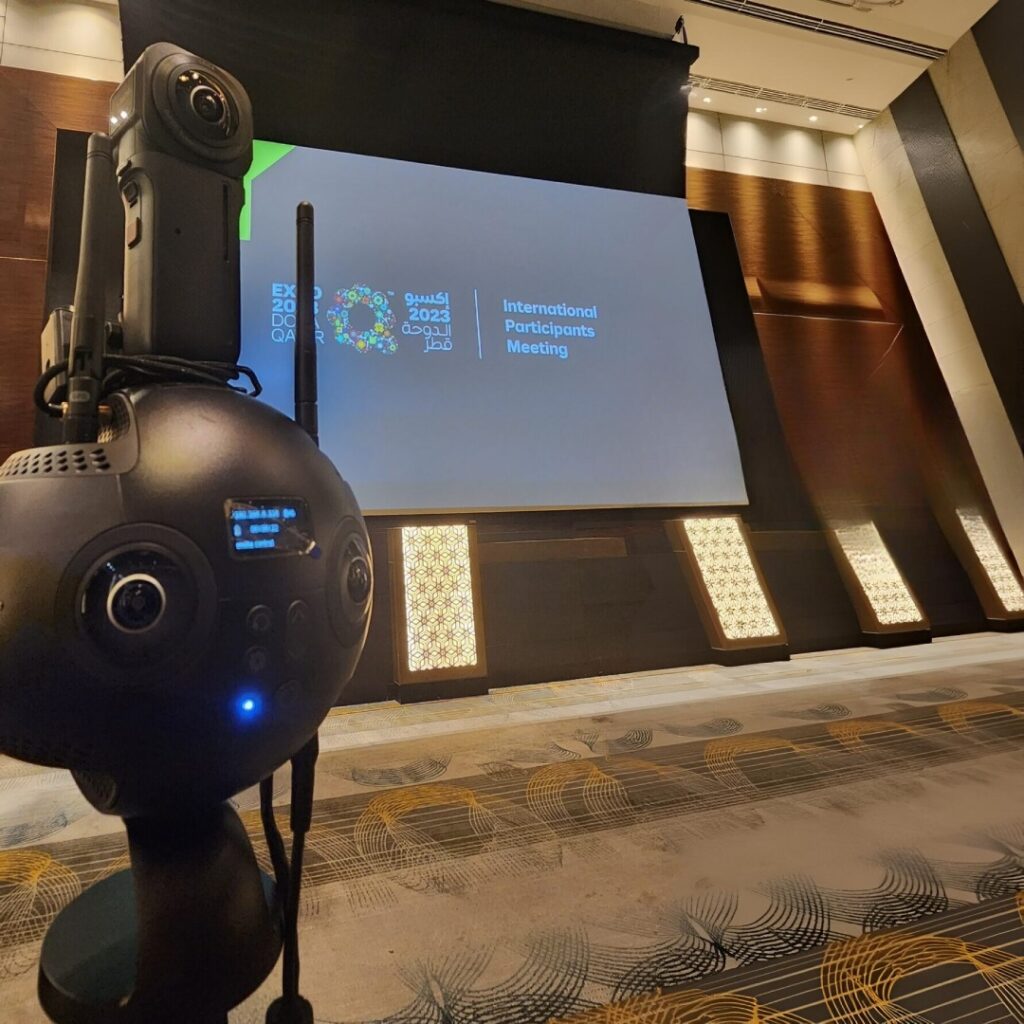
(479, 340)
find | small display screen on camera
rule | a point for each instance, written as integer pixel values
(268, 526)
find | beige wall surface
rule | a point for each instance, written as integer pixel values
(996, 165)
(64, 37)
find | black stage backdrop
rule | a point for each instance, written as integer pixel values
(461, 83)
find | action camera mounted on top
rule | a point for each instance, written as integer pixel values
(183, 133)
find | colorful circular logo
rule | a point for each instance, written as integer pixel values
(377, 337)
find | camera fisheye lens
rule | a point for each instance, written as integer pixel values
(202, 106)
(359, 581)
(136, 603)
(208, 104)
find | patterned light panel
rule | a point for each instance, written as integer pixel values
(888, 595)
(998, 569)
(440, 620)
(727, 569)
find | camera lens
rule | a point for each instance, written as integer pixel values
(203, 108)
(136, 603)
(208, 104)
(359, 580)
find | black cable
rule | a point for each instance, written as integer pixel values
(125, 371)
(290, 969)
(39, 392)
(291, 1008)
(275, 844)
(303, 780)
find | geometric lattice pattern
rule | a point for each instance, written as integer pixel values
(727, 568)
(999, 571)
(439, 616)
(883, 586)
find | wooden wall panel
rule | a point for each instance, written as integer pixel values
(866, 414)
(33, 106)
(22, 286)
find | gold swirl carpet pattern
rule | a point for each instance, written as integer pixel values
(836, 839)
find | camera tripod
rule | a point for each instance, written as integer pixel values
(192, 929)
(195, 927)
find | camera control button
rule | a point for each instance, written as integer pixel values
(256, 660)
(299, 630)
(288, 693)
(260, 620)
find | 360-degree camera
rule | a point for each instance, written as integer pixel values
(183, 132)
(185, 583)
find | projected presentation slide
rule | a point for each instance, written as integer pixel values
(489, 342)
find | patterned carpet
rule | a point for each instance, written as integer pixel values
(838, 838)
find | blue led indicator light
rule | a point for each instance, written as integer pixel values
(248, 706)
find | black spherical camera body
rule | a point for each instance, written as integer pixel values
(185, 582)
(183, 601)
(183, 132)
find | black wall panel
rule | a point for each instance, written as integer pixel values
(1000, 38)
(978, 265)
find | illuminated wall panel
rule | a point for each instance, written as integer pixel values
(727, 583)
(437, 604)
(998, 571)
(882, 599)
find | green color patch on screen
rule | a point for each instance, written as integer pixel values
(264, 156)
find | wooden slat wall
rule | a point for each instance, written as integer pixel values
(867, 416)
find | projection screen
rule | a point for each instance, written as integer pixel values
(490, 342)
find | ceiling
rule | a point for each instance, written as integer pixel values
(738, 49)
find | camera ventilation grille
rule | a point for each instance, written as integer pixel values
(63, 461)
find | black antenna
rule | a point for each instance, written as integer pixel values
(88, 321)
(291, 1007)
(305, 324)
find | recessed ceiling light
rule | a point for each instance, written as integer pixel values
(707, 99)
(860, 126)
(762, 110)
(813, 117)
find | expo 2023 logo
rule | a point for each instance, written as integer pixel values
(363, 318)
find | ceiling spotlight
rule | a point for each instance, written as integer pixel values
(860, 126)
(113, 120)
(761, 110)
(813, 117)
(707, 99)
